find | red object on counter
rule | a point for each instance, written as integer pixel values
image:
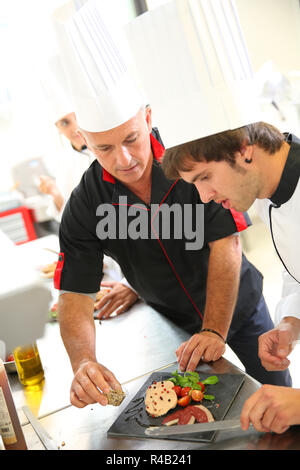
(17, 224)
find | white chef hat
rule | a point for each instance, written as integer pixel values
(103, 91)
(54, 86)
(194, 66)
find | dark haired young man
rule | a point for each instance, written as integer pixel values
(236, 168)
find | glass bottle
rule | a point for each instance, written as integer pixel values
(28, 364)
(10, 427)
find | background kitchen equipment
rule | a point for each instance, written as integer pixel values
(26, 176)
(24, 298)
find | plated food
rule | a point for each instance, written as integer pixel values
(160, 398)
(182, 391)
(53, 312)
(189, 415)
(218, 395)
(9, 364)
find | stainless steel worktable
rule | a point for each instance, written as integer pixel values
(85, 429)
(132, 346)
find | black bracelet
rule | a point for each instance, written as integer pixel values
(212, 331)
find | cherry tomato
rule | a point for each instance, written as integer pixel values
(185, 391)
(10, 358)
(184, 401)
(202, 386)
(197, 395)
(177, 390)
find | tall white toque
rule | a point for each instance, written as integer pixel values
(54, 86)
(103, 91)
(194, 67)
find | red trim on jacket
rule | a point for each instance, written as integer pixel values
(108, 177)
(58, 270)
(239, 219)
(158, 149)
(167, 257)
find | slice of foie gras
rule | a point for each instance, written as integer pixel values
(160, 398)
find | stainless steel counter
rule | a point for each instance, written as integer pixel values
(86, 429)
(131, 345)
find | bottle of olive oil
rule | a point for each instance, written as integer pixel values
(28, 363)
(10, 427)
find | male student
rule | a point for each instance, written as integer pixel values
(231, 157)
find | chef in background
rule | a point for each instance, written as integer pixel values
(75, 158)
(73, 164)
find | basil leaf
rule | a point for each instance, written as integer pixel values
(176, 377)
(193, 375)
(197, 387)
(212, 380)
(181, 381)
(209, 397)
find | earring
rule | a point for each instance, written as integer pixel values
(248, 160)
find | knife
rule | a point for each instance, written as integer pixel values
(51, 251)
(151, 372)
(192, 428)
(44, 437)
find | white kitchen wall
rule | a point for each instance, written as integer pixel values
(272, 31)
(26, 42)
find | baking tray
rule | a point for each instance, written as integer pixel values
(134, 419)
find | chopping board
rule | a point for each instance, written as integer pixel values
(134, 419)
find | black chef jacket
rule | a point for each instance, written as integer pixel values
(168, 277)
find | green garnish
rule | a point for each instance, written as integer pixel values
(191, 379)
(212, 380)
(209, 397)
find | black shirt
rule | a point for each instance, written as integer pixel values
(168, 276)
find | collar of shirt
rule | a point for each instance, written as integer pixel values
(291, 172)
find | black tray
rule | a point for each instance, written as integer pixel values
(133, 421)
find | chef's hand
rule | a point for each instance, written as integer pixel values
(206, 346)
(272, 408)
(90, 382)
(275, 345)
(47, 185)
(118, 300)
